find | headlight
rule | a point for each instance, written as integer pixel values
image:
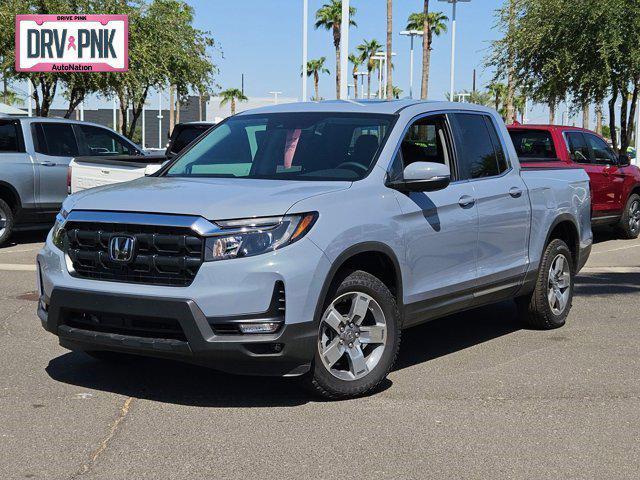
(57, 233)
(253, 236)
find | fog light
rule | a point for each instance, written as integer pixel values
(263, 327)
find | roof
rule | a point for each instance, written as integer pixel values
(542, 126)
(361, 106)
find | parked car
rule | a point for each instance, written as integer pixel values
(95, 171)
(34, 159)
(300, 239)
(615, 183)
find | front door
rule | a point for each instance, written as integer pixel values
(55, 145)
(502, 201)
(440, 228)
(611, 179)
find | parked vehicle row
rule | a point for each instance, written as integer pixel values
(302, 239)
(615, 183)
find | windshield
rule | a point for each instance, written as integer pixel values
(287, 146)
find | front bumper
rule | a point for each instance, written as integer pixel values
(285, 353)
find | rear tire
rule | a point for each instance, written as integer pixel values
(549, 304)
(358, 338)
(629, 226)
(6, 222)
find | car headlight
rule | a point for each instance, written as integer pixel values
(253, 236)
(57, 232)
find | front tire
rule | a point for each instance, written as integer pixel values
(358, 338)
(549, 304)
(6, 222)
(629, 226)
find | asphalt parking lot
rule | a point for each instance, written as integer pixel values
(472, 396)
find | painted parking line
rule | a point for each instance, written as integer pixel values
(626, 247)
(17, 267)
(594, 270)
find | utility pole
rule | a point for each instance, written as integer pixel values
(344, 49)
(305, 27)
(159, 118)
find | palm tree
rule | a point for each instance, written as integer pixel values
(315, 68)
(367, 50)
(389, 87)
(434, 23)
(231, 95)
(329, 17)
(397, 91)
(497, 91)
(356, 61)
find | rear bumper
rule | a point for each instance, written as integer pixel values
(287, 352)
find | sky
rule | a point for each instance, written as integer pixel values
(263, 40)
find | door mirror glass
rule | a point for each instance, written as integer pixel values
(426, 177)
(624, 160)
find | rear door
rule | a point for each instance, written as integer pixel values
(16, 166)
(55, 145)
(502, 201)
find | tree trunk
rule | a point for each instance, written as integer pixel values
(552, 111)
(172, 113)
(177, 109)
(336, 44)
(355, 84)
(426, 52)
(511, 89)
(123, 101)
(199, 107)
(612, 119)
(389, 49)
(233, 106)
(599, 118)
(631, 123)
(136, 112)
(585, 115)
(316, 85)
(369, 84)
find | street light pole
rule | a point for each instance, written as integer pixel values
(30, 97)
(452, 84)
(412, 34)
(635, 160)
(305, 21)
(344, 49)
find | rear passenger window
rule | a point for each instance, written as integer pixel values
(477, 156)
(56, 139)
(578, 149)
(9, 137)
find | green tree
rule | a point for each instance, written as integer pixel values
(231, 95)
(315, 68)
(397, 92)
(329, 17)
(368, 49)
(498, 92)
(356, 61)
(435, 24)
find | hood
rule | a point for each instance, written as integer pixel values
(211, 198)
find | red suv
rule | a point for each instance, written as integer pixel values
(615, 184)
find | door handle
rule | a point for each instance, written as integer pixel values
(48, 164)
(515, 192)
(466, 201)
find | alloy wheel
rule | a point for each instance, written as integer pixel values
(559, 284)
(634, 216)
(3, 222)
(352, 336)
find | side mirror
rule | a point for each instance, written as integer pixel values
(624, 160)
(425, 177)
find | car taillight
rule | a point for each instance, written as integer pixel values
(69, 180)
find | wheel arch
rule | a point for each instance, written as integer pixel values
(9, 194)
(565, 228)
(372, 257)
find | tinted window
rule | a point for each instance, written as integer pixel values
(56, 139)
(600, 150)
(185, 135)
(532, 145)
(503, 165)
(102, 142)
(9, 137)
(578, 149)
(476, 155)
(298, 146)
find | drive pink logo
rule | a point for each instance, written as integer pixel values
(72, 43)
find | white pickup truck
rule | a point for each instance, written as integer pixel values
(98, 170)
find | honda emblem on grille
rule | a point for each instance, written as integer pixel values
(122, 248)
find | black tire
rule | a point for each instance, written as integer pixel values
(6, 222)
(626, 228)
(535, 309)
(320, 380)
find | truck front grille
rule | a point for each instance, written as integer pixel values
(162, 255)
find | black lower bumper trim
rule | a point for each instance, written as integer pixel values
(287, 352)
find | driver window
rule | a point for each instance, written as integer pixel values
(425, 141)
(602, 153)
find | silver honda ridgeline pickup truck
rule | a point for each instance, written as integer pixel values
(301, 239)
